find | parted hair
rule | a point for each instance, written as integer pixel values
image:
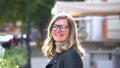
(49, 49)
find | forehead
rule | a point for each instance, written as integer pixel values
(61, 22)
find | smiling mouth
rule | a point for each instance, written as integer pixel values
(57, 35)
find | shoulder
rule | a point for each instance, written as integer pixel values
(71, 59)
(71, 53)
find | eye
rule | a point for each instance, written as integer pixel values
(63, 26)
(54, 26)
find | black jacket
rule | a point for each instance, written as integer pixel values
(68, 59)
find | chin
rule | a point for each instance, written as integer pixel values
(58, 41)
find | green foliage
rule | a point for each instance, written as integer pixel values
(14, 57)
(14, 10)
(71, 0)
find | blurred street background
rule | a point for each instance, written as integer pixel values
(38, 60)
(23, 26)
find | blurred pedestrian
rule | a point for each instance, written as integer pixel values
(14, 41)
(62, 45)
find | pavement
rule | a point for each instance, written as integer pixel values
(38, 60)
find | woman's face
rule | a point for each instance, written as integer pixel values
(60, 30)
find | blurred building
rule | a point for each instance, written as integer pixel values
(98, 24)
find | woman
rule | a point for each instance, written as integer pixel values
(61, 44)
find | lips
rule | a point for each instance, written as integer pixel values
(58, 35)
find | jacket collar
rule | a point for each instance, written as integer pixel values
(53, 60)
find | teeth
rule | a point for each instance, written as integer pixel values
(58, 35)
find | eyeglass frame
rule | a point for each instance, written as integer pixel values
(61, 27)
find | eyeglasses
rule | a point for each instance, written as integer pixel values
(61, 27)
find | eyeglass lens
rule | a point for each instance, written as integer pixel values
(61, 27)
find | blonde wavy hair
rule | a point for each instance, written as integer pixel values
(49, 49)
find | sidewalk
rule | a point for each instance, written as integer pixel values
(38, 60)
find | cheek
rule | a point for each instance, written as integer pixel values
(67, 34)
(53, 34)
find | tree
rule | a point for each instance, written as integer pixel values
(70, 0)
(45, 14)
(14, 10)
